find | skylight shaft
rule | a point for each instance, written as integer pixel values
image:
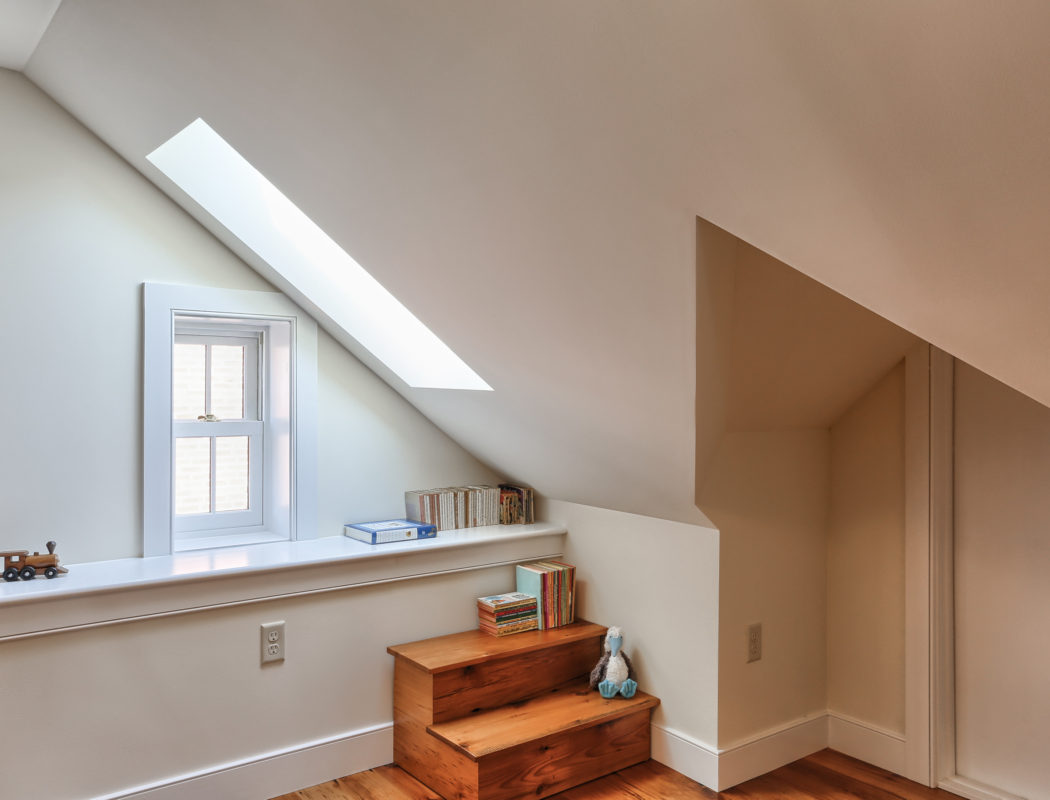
(217, 177)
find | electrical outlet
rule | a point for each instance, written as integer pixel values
(754, 642)
(273, 641)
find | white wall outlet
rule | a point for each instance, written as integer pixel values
(272, 638)
(754, 642)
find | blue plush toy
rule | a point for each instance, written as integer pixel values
(614, 673)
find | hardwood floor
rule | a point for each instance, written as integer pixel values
(826, 775)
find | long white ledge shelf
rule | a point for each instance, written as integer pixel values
(129, 589)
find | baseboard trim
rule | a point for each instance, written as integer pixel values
(743, 760)
(774, 748)
(277, 772)
(684, 754)
(974, 790)
(866, 742)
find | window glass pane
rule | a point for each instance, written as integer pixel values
(231, 473)
(227, 381)
(193, 475)
(187, 381)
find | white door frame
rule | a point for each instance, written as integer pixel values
(941, 585)
(929, 692)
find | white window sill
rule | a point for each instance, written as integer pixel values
(112, 592)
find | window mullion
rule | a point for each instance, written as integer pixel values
(207, 379)
(211, 499)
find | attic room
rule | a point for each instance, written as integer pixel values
(757, 289)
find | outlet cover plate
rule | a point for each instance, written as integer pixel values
(272, 642)
(754, 642)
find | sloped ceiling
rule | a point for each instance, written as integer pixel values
(22, 23)
(526, 176)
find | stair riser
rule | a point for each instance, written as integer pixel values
(498, 682)
(443, 768)
(561, 761)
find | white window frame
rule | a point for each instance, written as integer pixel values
(253, 424)
(288, 363)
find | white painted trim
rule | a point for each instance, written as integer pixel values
(296, 513)
(916, 764)
(973, 790)
(684, 754)
(748, 758)
(869, 743)
(114, 592)
(942, 563)
(277, 772)
(771, 749)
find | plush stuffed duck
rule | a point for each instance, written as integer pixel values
(614, 673)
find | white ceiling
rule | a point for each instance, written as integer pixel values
(22, 23)
(526, 177)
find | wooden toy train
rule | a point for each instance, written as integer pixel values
(19, 564)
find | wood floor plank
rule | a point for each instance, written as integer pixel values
(819, 783)
(611, 787)
(867, 773)
(826, 775)
(651, 779)
(764, 787)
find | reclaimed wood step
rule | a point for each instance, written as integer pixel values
(458, 650)
(572, 707)
(463, 673)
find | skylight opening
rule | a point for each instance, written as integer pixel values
(240, 197)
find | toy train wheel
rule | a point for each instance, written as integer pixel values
(28, 573)
(50, 572)
(11, 574)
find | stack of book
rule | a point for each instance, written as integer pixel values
(516, 504)
(502, 614)
(553, 584)
(470, 506)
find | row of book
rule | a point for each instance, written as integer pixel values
(545, 598)
(553, 584)
(502, 614)
(517, 504)
(471, 506)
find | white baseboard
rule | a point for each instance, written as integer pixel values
(684, 754)
(757, 755)
(310, 763)
(974, 790)
(277, 772)
(767, 751)
(866, 742)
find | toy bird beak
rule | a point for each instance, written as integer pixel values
(615, 643)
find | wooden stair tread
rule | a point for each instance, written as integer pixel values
(572, 706)
(458, 650)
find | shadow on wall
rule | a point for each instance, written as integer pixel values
(780, 359)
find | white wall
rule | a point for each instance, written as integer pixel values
(865, 575)
(658, 580)
(117, 707)
(1002, 558)
(768, 494)
(79, 233)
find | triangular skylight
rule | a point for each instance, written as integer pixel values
(217, 177)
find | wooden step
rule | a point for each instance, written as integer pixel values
(464, 673)
(458, 650)
(571, 707)
(478, 717)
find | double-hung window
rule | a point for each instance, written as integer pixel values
(229, 428)
(218, 426)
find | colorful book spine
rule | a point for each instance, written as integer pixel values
(504, 614)
(553, 584)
